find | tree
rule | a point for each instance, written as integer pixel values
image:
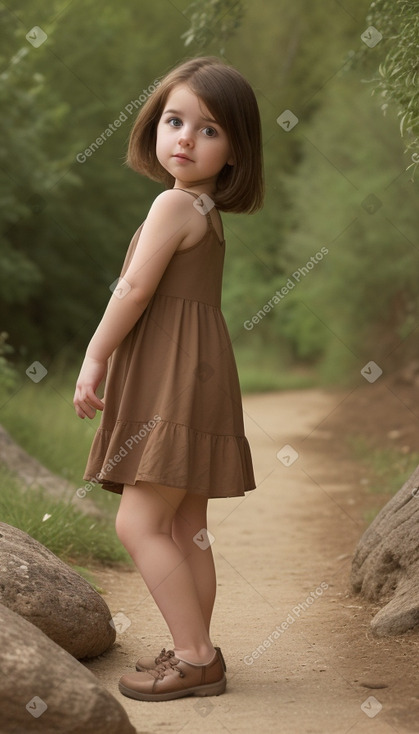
(349, 194)
(67, 218)
(219, 18)
(397, 23)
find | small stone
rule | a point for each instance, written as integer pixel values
(372, 684)
(394, 434)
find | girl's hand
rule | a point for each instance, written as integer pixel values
(85, 399)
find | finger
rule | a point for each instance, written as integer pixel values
(80, 413)
(93, 400)
(89, 398)
(89, 411)
(84, 410)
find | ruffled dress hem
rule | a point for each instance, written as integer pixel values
(207, 464)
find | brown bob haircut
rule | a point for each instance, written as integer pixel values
(232, 102)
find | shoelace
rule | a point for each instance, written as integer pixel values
(165, 666)
(164, 655)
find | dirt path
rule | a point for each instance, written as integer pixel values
(283, 557)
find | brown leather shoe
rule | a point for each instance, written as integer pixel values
(175, 678)
(149, 663)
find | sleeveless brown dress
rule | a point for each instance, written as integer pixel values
(173, 412)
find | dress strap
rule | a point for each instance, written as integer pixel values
(209, 220)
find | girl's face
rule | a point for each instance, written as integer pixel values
(191, 145)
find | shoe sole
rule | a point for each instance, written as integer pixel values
(211, 689)
(142, 669)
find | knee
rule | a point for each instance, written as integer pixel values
(124, 529)
(134, 532)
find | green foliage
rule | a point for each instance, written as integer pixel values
(263, 369)
(7, 373)
(360, 301)
(258, 259)
(209, 18)
(57, 524)
(28, 173)
(398, 71)
(65, 224)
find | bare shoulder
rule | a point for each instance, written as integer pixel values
(174, 203)
(174, 209)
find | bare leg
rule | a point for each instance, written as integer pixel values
(144, 526)
(189, 519)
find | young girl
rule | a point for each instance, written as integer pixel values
(171, 434)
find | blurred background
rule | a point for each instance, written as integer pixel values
(339, 182)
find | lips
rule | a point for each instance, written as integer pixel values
(182, 157)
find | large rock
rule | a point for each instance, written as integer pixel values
(385, 567)
(47, 592)
(44, 689)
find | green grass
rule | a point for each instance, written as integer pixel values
(88, 575)
(387, 468)
(69, 533)
(41, 418)
(264, 372)
(255, 379)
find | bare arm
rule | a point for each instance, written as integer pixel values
(167, 224)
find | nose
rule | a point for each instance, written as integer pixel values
(185, 138)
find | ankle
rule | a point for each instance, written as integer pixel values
(196, 655)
